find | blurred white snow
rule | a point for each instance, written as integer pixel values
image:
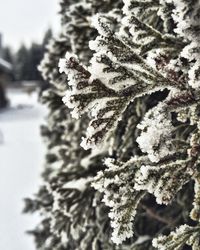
(21, 158)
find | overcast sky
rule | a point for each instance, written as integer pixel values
(27, 20)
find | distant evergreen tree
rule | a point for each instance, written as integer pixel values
(131, 78)
(22, 64)
(36, 53)
(47, 36)
(27, 59)
(8, 54)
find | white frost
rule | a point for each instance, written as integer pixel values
(80, 184)
(155, 127)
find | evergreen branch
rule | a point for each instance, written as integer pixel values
(179, 238)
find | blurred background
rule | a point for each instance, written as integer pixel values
(25, 28)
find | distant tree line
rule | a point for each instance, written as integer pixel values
(26, 59)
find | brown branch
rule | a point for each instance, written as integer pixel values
(154, 215)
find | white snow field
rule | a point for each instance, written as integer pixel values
(21, 158)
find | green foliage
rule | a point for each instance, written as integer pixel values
(131, 79)
(176, 240)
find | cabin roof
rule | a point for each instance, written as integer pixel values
(5, 66)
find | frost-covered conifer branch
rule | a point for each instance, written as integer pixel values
(177, 239)
(144, 34)
(116, 184)
(164, 180)
(128, 77)
(147, 38)
(123, 142)
(157, 130)
(165, 13)
(55, 49)
(78, 28)
(145, 10)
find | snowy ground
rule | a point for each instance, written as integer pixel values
(21, 157)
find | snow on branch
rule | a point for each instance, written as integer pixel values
(116, 184)
(164, 180)
(116, 76)
(179, 238)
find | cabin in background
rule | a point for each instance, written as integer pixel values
(5, 76)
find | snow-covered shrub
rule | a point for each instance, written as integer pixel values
(129, 129)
